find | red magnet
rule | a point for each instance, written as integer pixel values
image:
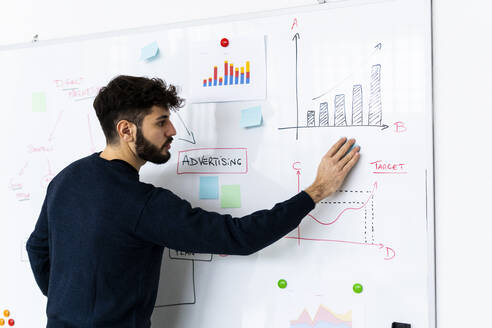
(11, 322)
(224, 42)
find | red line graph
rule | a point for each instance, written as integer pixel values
(389, 253)
(375, 187)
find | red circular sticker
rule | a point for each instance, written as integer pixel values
(224, 42)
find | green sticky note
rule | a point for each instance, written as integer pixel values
(38, 102)
(230, 196)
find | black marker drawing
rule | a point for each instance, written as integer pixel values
(190, 133)
(188, 257)
(295, 38)
(333, 110)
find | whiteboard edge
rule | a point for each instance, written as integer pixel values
(334, 4)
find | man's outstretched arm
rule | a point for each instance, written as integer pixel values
(171, 221)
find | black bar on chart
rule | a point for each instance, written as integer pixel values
(357, 105)
(340, 117)
(375, 105)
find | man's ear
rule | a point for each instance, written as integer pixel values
(127, 131)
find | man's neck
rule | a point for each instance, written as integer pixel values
(123, 153)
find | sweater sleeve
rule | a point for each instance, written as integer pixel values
(38, 250)
(170, 221)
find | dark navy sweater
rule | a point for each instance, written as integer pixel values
(97, 246)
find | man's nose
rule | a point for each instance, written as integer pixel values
(172, 131)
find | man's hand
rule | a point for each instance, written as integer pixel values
(333, 169)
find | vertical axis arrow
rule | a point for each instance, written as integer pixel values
(295, 38)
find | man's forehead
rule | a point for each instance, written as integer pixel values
(158, 111)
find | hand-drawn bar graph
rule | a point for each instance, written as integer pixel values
(341, 116)
(232, 75)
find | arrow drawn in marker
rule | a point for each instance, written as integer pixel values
(295, 38)
(190, 133)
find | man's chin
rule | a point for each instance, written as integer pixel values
(163, 159)
(166, 153)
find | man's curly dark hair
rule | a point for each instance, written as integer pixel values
(131, 98)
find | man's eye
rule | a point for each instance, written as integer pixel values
(161, 123)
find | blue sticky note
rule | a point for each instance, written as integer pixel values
(251, 117)
(149, 51)
(209, 187)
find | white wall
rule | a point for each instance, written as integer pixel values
(463, 114)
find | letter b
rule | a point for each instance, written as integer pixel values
(400, 127)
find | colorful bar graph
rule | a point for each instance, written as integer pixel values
(232, 75)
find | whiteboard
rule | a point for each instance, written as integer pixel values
(350, 68)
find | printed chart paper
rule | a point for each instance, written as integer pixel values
(233, 73)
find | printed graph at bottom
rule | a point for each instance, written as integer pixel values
(324, 318)
(348, 217)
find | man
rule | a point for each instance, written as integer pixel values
(97, 246)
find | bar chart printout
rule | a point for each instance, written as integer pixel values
(230, 76)
(237, 73)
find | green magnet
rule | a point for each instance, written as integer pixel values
(357, 288)
(282, 283)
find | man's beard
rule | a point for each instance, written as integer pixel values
(149, 152)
